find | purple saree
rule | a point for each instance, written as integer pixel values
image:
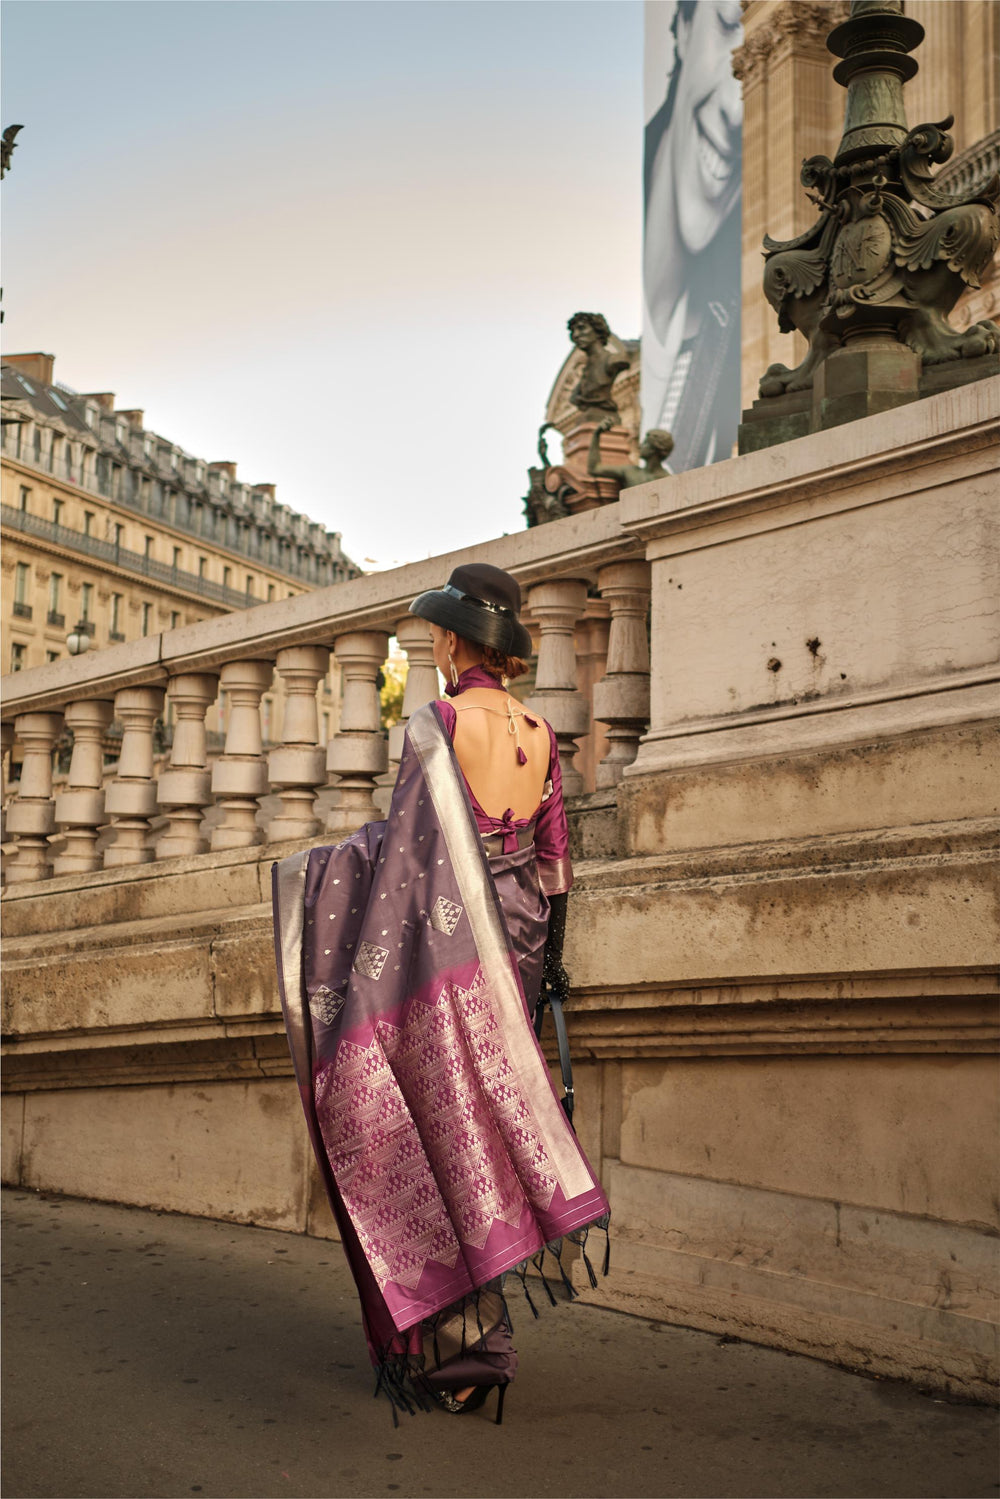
(446, 1155)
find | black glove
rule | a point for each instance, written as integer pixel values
(554, 975)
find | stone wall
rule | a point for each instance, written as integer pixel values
(782, 939)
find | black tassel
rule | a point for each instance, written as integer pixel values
(522, 1275)
(537, 1262)
(570, 1289)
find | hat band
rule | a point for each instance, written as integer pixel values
(468, 598)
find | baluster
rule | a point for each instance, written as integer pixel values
(557, 607)
(184, 789)
(79, 811)
(358, 752)
(130, 799)
(239, 776)
(421, 678)
(621, 699)
(30, 816)
(297, 769)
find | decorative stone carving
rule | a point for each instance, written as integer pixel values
(557, 607)
(184, 789)
(890, 253)
(31, 815)
(621, 700)
(592, 396)
(79, 809)
(298, 768)
(656, 447)
(358, 753)
(239, 776)
(130, 799)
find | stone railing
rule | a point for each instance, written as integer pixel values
(574, 572)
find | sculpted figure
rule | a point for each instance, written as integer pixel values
(656, 447)
(592, 396)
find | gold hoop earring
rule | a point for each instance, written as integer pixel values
(453, 669)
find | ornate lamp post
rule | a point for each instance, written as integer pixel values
(871, 284)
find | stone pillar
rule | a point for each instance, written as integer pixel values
(239, 776)
(79, 811)
(184, 789)
(130, 800)
(621, 700)
(557, 607)
(358, 753)
(421, 678)
(31, 815)
(298, 768)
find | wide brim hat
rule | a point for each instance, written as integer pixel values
(480, 603)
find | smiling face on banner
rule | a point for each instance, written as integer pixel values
(704, 138)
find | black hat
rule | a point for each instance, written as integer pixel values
(479, 603)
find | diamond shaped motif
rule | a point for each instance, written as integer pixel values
(445, 915)
(370, 960)
(325, 1005)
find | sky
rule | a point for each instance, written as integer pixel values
(335, 241)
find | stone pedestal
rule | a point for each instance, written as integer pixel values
(867, 376)
(589, 493)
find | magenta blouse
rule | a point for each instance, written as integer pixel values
(551, 833)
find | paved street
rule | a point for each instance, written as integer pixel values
(147, 1354)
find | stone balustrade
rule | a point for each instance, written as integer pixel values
(303, 788)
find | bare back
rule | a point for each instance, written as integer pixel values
(487, 752)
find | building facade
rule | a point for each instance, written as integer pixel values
(108, 525)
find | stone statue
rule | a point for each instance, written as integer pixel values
(656, 447)
(592, 395)
(872, 263)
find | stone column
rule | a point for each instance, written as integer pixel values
(184, 789)
(421, 678)
(130, 800)
(239, 776)
(358, 753)
(621, 700)
(30, 816)
(79, 811)
(557, 607)
(298, 768)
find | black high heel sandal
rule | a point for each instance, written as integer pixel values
(479, 1397)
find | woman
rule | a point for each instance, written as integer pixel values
(410, 959)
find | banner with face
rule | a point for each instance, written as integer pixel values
(691, 239)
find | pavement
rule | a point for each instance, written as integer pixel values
(152, 1354)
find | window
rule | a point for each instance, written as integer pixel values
(52, 655)
(88, 523)
(25, 497)
(117, 600)
(36, 443)
(249, 582)
(227, 577)
(147, 616)
(58, 507)
(177, 558)
(149, 546)
(119, 534)
(175, 619)
(202, 567)
(17, 652)
(55, 600)
(87, 601)
(270, 593)
(21, 583)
